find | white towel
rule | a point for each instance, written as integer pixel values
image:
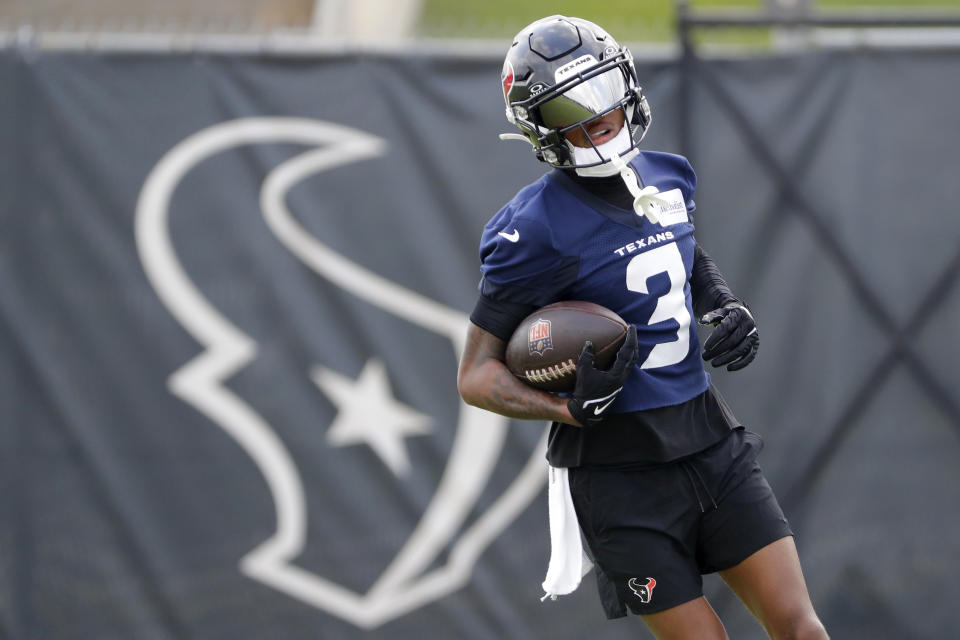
(568, 564)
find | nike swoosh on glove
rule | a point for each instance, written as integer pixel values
(734, 341)
(595, 389)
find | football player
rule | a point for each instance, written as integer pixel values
(663, 478)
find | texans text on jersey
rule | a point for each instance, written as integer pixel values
(637, 245)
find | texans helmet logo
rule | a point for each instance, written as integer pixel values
(507, 78)
(642, 591)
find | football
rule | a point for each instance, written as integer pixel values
(544, 349)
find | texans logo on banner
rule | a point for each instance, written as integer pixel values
(364, 446)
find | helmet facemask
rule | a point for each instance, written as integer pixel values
(586, 90)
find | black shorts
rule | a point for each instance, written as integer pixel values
(654, 532)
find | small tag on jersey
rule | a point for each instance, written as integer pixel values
(668, 207)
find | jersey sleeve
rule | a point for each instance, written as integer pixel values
(498, 317)
(519, 262)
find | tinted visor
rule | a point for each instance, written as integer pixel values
(584, 100)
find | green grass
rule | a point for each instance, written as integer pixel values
(627, 20)
(503, 18)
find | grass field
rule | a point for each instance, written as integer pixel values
(627, 20)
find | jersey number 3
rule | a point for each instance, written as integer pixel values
(673, 304)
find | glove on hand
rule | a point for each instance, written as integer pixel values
(734, 341)
(595, 389)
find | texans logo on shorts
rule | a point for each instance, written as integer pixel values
(643, 591)
(539, 338)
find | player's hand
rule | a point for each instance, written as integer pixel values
(734, 341)
(595, 389)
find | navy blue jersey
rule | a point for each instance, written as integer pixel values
(556, 241)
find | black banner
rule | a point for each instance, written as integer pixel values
(233, 292)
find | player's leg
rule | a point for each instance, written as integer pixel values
(694, 620)
(770, 583)
(748, 541)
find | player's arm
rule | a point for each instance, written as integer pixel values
(484, 381)
(708, 287)
(734, 341)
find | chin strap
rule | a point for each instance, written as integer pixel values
(641, 196)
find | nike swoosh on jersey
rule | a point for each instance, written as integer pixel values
(512, 237)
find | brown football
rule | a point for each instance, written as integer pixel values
(544, 349)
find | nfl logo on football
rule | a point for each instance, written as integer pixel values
(539, 337)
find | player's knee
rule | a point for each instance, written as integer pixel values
(803, 626)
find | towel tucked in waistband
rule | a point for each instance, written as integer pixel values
(568, 564)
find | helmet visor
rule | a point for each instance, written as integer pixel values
(584, 100)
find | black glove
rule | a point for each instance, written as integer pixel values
(595, 389)
(734, 341)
